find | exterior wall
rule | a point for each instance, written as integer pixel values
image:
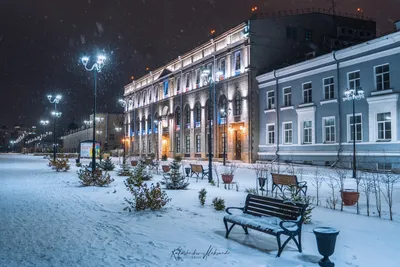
(106, 133)
(363, 58)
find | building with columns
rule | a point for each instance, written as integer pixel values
(168, 111)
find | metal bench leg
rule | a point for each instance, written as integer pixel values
(278, 239)
(284, 244)
(228, 230)
(299, 244)
(245, 230)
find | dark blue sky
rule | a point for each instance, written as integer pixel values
(41, 42)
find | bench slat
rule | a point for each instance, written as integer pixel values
(274, 209)
(284, 179)
(276, 202)
(257, 212)
(285, 206)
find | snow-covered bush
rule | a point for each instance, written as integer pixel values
(139, 172)
(202, 196)
(125, 170)
(60, 164)
(219, 203)
(98, 178)
(252, 191)
(152, 198)
(298, 198)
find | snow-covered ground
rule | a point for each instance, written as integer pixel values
(47, 219)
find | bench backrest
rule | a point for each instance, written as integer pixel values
(268, 206)
(196, 168)
(284, 179)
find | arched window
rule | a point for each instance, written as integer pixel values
(237, 108)
(150, 95)
(149, 124)
(187, 116)
(178, 117)
(156, 122)
(137, 126)
(143, 125)
(198, 115)
(222, 105)
(144, 98)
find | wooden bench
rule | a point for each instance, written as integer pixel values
(271, 216)
(198, 170)
(285, 181)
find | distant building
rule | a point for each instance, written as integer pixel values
(304, 116)
(106, 133)
(5, 139)
(167, 110)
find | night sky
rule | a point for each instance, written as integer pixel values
(41, 42)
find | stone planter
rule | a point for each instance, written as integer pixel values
(349, 197)
(227, 178)
(326, 241)
(165, 168)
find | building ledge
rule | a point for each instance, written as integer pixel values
(286, 108)
(328, 101)
(269, 110)
(306, 105)
(382, 92)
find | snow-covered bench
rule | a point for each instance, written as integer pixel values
(198, 170)
(285, 181)
(269, 215)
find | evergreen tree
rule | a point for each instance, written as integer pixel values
(140, 173)
(175, 179)
(107, 165)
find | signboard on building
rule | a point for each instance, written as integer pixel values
(86, 149)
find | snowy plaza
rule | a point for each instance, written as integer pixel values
(48, 219)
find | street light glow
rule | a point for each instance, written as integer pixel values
(85, 60)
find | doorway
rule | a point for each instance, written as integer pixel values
(238, 145)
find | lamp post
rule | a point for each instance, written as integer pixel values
(44, 123)
(353, 95)
(156, 132)
(54, 100)
(224, 115)
(12, 145)
(96, 67)
(207, 73)
(56, 116)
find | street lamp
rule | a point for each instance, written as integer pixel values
(96, 67)
(44, 123)
(54, 100)
(353, 95)
(224, 115)
(207, 74)
(156, 136)
(12, 145)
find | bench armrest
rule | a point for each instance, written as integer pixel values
(291, 224)
(227, 209)
(304, 183)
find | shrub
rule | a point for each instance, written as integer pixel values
(219, 203)
(78, 164)
(178, 158)
(125, 170)
(139, 172)
(174, 179)
(252, 191)
(164, 157)
(107, 165)
(202, 196)
(152, 198)
(60, 164)
(87, 178)
(303, 200)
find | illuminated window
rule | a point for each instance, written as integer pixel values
(237, 62)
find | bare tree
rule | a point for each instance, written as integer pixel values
(215, 168)
(317, 181)
(389, 179)
(377, 191)
(367, 184)
(333, 183)
(341, 175)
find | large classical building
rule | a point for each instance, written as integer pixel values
(108, 133)
(306, 116)
(168, 110)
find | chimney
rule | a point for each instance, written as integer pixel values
(397, 24)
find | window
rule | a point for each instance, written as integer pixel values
(308, 35)
(329, 132)
(178, 143)
(221, 70)
(144, 146)
(382, 77)
(111, 137)
(270, 134)
(329, 88)
(291, 33)
(156, 93)
(307, 132)
(307, 92)
(197, 78)
(187, 115)
(166, 88)
(271, 100)
(237, 62)
(353, 80)
(150, 95)
(355, 123)
(178, 116)
(223, 142)
(198, 116)
(149, 125)
(149, 145)
(287, 96)
(198, 144)
(238, 105)
(187, 81)
(188, 144)
(288, 133)
(178, 85)
(384, 126)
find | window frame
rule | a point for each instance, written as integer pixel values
(310, 130)
(287, 94)
(354, 80)
(384, 124)
(187, 144)
(287, 130)
(271, 104)
(382, 74)
(178, 143)
(349, 135)
(198, 143)
(237, 111)
(324, 135)
(307, 99)
(330, 86)
(269, 133)
(235, 64)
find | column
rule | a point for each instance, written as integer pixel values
(204, 139)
